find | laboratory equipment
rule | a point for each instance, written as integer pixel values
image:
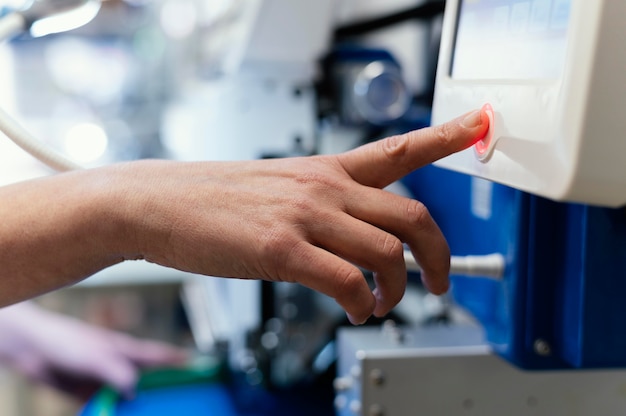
(553, 71)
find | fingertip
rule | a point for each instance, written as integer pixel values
(382, 305)
(438, 286)
(359, 311)
(380, 312)
(337, 278)
(477, 123)
(485, 122)
(354, 320)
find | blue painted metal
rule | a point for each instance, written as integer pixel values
(225, 398)
(566, 272)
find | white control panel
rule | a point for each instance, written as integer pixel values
(554, 75)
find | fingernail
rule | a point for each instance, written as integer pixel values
(472, 120)
(354, 321)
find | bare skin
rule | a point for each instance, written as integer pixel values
(310, 220)
(72, 356)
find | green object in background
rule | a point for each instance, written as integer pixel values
(205, 370)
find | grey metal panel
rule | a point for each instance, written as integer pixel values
(379, 376)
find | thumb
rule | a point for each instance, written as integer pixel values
(383, 162)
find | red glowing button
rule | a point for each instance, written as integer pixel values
(482, 147)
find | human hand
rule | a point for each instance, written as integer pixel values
(73, 356)
(311, 220)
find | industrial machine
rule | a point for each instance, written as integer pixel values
(546, 337)
(544, 190)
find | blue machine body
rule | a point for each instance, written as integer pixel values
(565, 283)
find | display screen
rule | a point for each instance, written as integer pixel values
(511, 39)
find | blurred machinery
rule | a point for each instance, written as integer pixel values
(96, 93)
(244, 79)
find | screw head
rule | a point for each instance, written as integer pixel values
(542, 348)
(377, 377)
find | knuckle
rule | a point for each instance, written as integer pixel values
(418, 215)
(310, 177)
(317, 184)
(274, 241)
(349, 293)
(278, 248)
(348, 281)
(391, 249)
(395, 148)
(300, 204)
(444, 134)
(316, 178)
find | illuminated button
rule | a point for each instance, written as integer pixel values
(483, 146)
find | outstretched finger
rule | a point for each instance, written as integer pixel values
(380, 163)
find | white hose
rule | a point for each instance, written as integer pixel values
(490, 265)
(11, 25)
(14, 131)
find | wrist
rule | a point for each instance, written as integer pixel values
(128, 201)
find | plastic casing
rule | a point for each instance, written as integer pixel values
(564, 139)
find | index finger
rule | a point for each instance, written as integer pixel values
(385, 161)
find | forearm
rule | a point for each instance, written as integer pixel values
(58, 230)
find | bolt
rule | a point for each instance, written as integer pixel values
(377, 377)
(542, 348)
